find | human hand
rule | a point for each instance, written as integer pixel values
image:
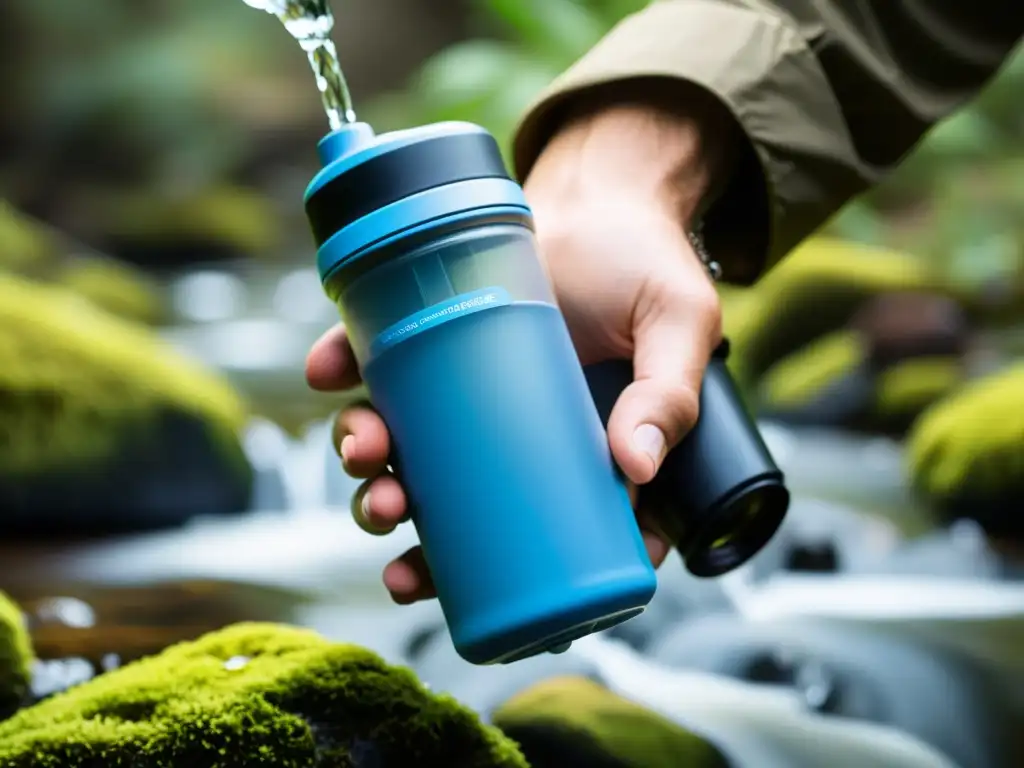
(613, 195)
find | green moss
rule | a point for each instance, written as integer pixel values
(734, 301)
(971, 444)
(798, 378)
(23, 244)
(241, 218)
(72, 376)
(30, 250)
(901, 392)
(115, 287)
(574, 721)
(906, 389)
(296, 700)
(815, 291)
(15, 657)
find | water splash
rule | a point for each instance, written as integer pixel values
(310, 22)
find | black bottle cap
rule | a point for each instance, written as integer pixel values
(403, 170)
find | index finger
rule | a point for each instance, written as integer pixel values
(331, 363)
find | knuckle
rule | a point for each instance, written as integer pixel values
(705, 302)
(691, 298)
(352, 414)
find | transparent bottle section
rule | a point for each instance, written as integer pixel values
(495, 256)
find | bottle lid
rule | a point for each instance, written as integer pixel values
(364, 175)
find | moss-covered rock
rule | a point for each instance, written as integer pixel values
(569, 722)
(815, 291)
(15, 657)
(220, 222)
(905, 390)
(103, 421)
(31, 250)
(798, 378)
(23, 245)
(966, 453)
(115, 287)
(893, 398)
(253, 695)
(902, 325)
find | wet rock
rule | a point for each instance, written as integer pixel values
(571, 721)
(15, 657)
(74, 626)
(903, 325)
(297, 700)
(813, 557)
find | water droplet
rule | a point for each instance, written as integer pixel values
(236, 662)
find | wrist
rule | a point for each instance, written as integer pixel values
(668, 145)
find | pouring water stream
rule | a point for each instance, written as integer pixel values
(310, 22)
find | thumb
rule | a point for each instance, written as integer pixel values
(661, 405)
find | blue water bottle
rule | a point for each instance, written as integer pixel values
(426, 245)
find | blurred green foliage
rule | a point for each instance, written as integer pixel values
(159, 86)
(958, 200)
(154, 130)
(490, 80)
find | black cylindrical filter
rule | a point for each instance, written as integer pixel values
(719, 495)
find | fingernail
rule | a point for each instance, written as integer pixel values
(648, 439)
(364, 508)
(346, 446)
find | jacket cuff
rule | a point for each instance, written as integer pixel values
(759, 67)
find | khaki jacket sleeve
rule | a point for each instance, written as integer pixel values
(831, 95)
